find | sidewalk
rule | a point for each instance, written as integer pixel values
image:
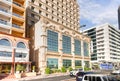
(43, 76)
(36, 77)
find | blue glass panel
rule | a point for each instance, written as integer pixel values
(21, 45)
(66, 63)
(20, 55)
(77, 47)
(52, 63)
(86, 49)
(52, 41)
(5, 54)
(66, 44)
(78, 63)
(5, 42)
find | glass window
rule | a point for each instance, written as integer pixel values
(66, 63)
(52, 41)
(52, 63)
(77, 47)
(20, 55)
(66, 43)
(77, 62)
(5, 42)
(87, 64)
(86, 49)
(21, 45)
(5, 54)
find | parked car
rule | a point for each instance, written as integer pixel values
(74, 72)
(98, 77)
(116, 74)
(80, 75)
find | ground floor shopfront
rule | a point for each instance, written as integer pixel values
(13, 51)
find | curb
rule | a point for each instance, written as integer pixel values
(42, 76)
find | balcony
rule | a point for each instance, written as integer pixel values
(7, 2)
(18, 6)
(5, 12)
(18, 18)
(4, 24)
(16, 26)
(17, 15)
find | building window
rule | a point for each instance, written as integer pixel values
(87, 64)
(77, 47)
(78, 63)
(32, 15)
(21, 45)
(40, 4)
(66, 63)
(86, 49)
(46, 8)
(39, 11)
(46, 14)
(32, 8)
(5, 54)
(52, 41)
(20, 55)
(32, 1)
(5, 42)
(52, 63)
(66, 43)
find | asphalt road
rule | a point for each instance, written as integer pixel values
(57, 78)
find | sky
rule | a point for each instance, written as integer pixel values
(98, 12)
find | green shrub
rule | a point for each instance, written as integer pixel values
(87, 69)
(55, 70)
(78, 67)
(70, 69)
(63, 69)
(47, 71)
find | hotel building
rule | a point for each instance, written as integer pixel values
(105, 44)
(14, 47)
(53, 26)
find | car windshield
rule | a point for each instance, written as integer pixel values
(112, 78)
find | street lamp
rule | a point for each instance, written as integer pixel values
(83, 64)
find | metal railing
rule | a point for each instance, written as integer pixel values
(4, 22)
(17, 15)
(18, 4)
(16, 26)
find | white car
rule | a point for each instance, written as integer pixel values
(98, 77)
(74, 72)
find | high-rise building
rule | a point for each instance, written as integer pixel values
(53, 26)
(105, 44)
(14, 47)
(119, 17)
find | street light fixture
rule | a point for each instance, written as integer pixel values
(83, 64)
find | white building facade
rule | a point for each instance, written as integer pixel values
(105, 44)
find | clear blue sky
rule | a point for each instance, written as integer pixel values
(97, 12)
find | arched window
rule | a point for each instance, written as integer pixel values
(21, 45)
(5, 42)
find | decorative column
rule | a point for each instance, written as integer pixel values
(73, 54)
(82, 53)
(42, 51)
(13, 62)
(60, 64)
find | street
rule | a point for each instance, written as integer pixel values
(58, 78)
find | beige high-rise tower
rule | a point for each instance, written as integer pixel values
(53, 26)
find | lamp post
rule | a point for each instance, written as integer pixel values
(83, 64)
